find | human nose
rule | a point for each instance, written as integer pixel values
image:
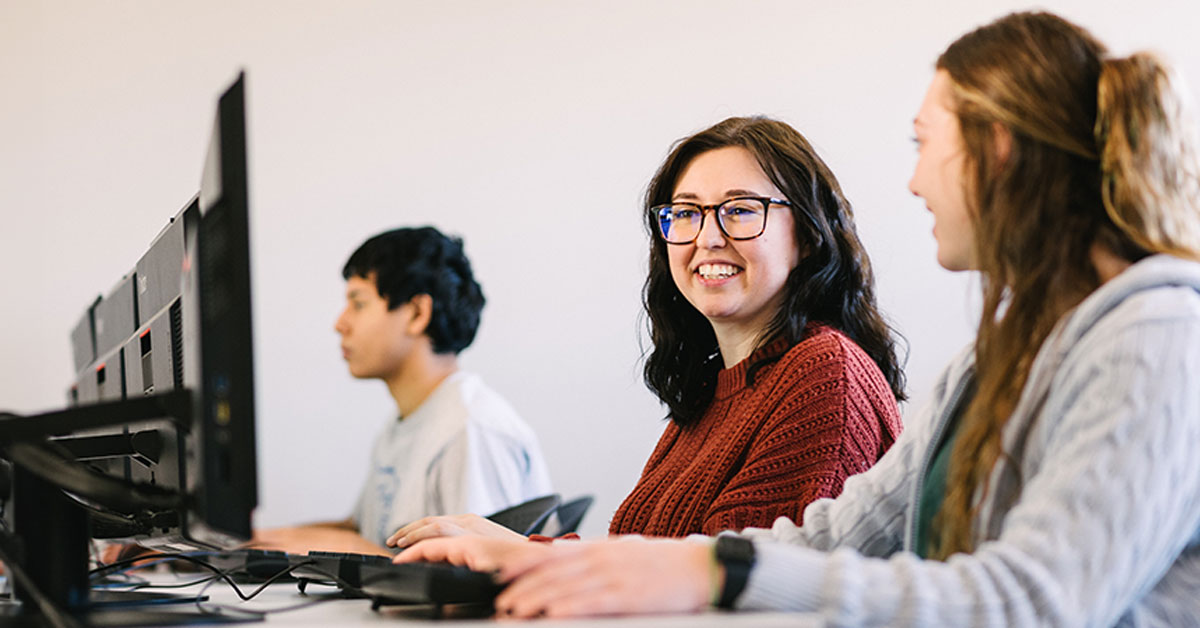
(914, 182)
(710, 235)
(340, 325)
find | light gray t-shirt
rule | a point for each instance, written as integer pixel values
(464, 450)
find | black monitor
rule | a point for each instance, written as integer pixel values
(158, 444)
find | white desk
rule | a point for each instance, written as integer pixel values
(321, 608)
(343, 612)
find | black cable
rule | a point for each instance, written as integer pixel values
(127, 564)
(275, 578)
(264, 612)
(147, 584)
(224, 575)
(106, 524)
(119, 565)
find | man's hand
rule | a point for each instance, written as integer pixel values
(450, 525)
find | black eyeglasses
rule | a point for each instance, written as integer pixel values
(739, 218)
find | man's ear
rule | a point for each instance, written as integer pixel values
(422, 312)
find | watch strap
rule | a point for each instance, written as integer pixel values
(736, 555)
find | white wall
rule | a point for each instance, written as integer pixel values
(530, 128)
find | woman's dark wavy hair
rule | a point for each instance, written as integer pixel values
(832, 283)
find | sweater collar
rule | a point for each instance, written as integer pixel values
(733, 380)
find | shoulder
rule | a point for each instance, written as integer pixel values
(483, 410)
(1159, 288)
(1154, 332)
(822, 349)
(1135, 357)
(820, 376)
(1156, 320)
(1161, 303)
(826, 353)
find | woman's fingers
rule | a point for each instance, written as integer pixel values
(518, 564)
(554, 580)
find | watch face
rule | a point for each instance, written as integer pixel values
(735, 549)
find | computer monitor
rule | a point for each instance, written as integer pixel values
(158, 444)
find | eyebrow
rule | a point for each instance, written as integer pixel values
(728, 194)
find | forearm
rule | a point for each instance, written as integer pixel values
(342, 524)
(327, 537)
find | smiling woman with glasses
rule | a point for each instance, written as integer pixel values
(778, 372)
(779, 375)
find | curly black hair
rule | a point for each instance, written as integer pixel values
(832, 283)
(411, 261)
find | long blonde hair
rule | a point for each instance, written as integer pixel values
(1103, 153)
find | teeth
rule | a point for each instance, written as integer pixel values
(717, 271)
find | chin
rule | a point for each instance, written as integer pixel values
(719, 316)
(951, 263)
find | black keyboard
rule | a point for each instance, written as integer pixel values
(427, 583)
(341, 568)
(364, 575)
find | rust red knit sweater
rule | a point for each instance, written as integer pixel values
(819, 414)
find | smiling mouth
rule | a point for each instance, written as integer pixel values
(717, 271)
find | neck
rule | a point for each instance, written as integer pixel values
(737, 339)
(412, 384)
(735, 342)
(1107, 263)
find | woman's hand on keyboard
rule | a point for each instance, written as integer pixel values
(628, 575)
(618, 576)
(450, 525)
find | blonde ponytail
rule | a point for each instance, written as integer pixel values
(1147, 139)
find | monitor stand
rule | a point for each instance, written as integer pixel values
(52, 536)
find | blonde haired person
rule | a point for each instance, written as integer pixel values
(1053, 480)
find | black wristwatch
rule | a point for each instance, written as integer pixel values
(736, 555)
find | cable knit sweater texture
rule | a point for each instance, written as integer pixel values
(821, 412)
(1094, 520)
